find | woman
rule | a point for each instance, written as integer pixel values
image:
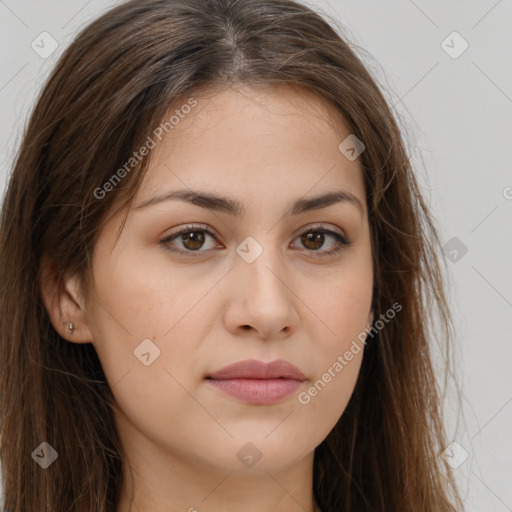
(218, 276)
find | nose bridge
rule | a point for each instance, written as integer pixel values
(264, 296)
(260, 262)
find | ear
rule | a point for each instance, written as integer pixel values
(64, 304)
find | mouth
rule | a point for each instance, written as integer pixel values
(256, 382)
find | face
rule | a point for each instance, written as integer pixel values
(194, 285)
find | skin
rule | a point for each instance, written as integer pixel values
(265, 148)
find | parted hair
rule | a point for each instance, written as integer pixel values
(110, 89)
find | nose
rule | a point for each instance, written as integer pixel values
(262, 300)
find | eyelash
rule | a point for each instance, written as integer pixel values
(342, 242)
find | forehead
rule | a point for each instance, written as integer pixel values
(273, 141)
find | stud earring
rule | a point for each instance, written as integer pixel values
(71, 327)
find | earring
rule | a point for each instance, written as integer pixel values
(71, 327)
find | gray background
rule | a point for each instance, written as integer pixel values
(457, 114)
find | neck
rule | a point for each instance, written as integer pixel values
(162, 480)
(218, 492)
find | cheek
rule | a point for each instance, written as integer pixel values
(162, 312)
(340, 296)
(143, 295)
(137, 301)
(339, 337)
(337, 353)
(342, 303)
(330, 390)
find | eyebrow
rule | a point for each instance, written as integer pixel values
(232, 207)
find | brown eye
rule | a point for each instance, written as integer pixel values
(317, 237)
(190, 241)
(312, 240)
(193, 240)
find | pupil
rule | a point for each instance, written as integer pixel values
(316, 238)
(196, 238)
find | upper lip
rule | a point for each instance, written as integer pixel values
(254, 369)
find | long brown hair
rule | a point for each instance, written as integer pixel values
(108, 93)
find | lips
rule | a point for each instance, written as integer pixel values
(253, 369)
(256, 382)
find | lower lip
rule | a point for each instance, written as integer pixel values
(257, 391)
